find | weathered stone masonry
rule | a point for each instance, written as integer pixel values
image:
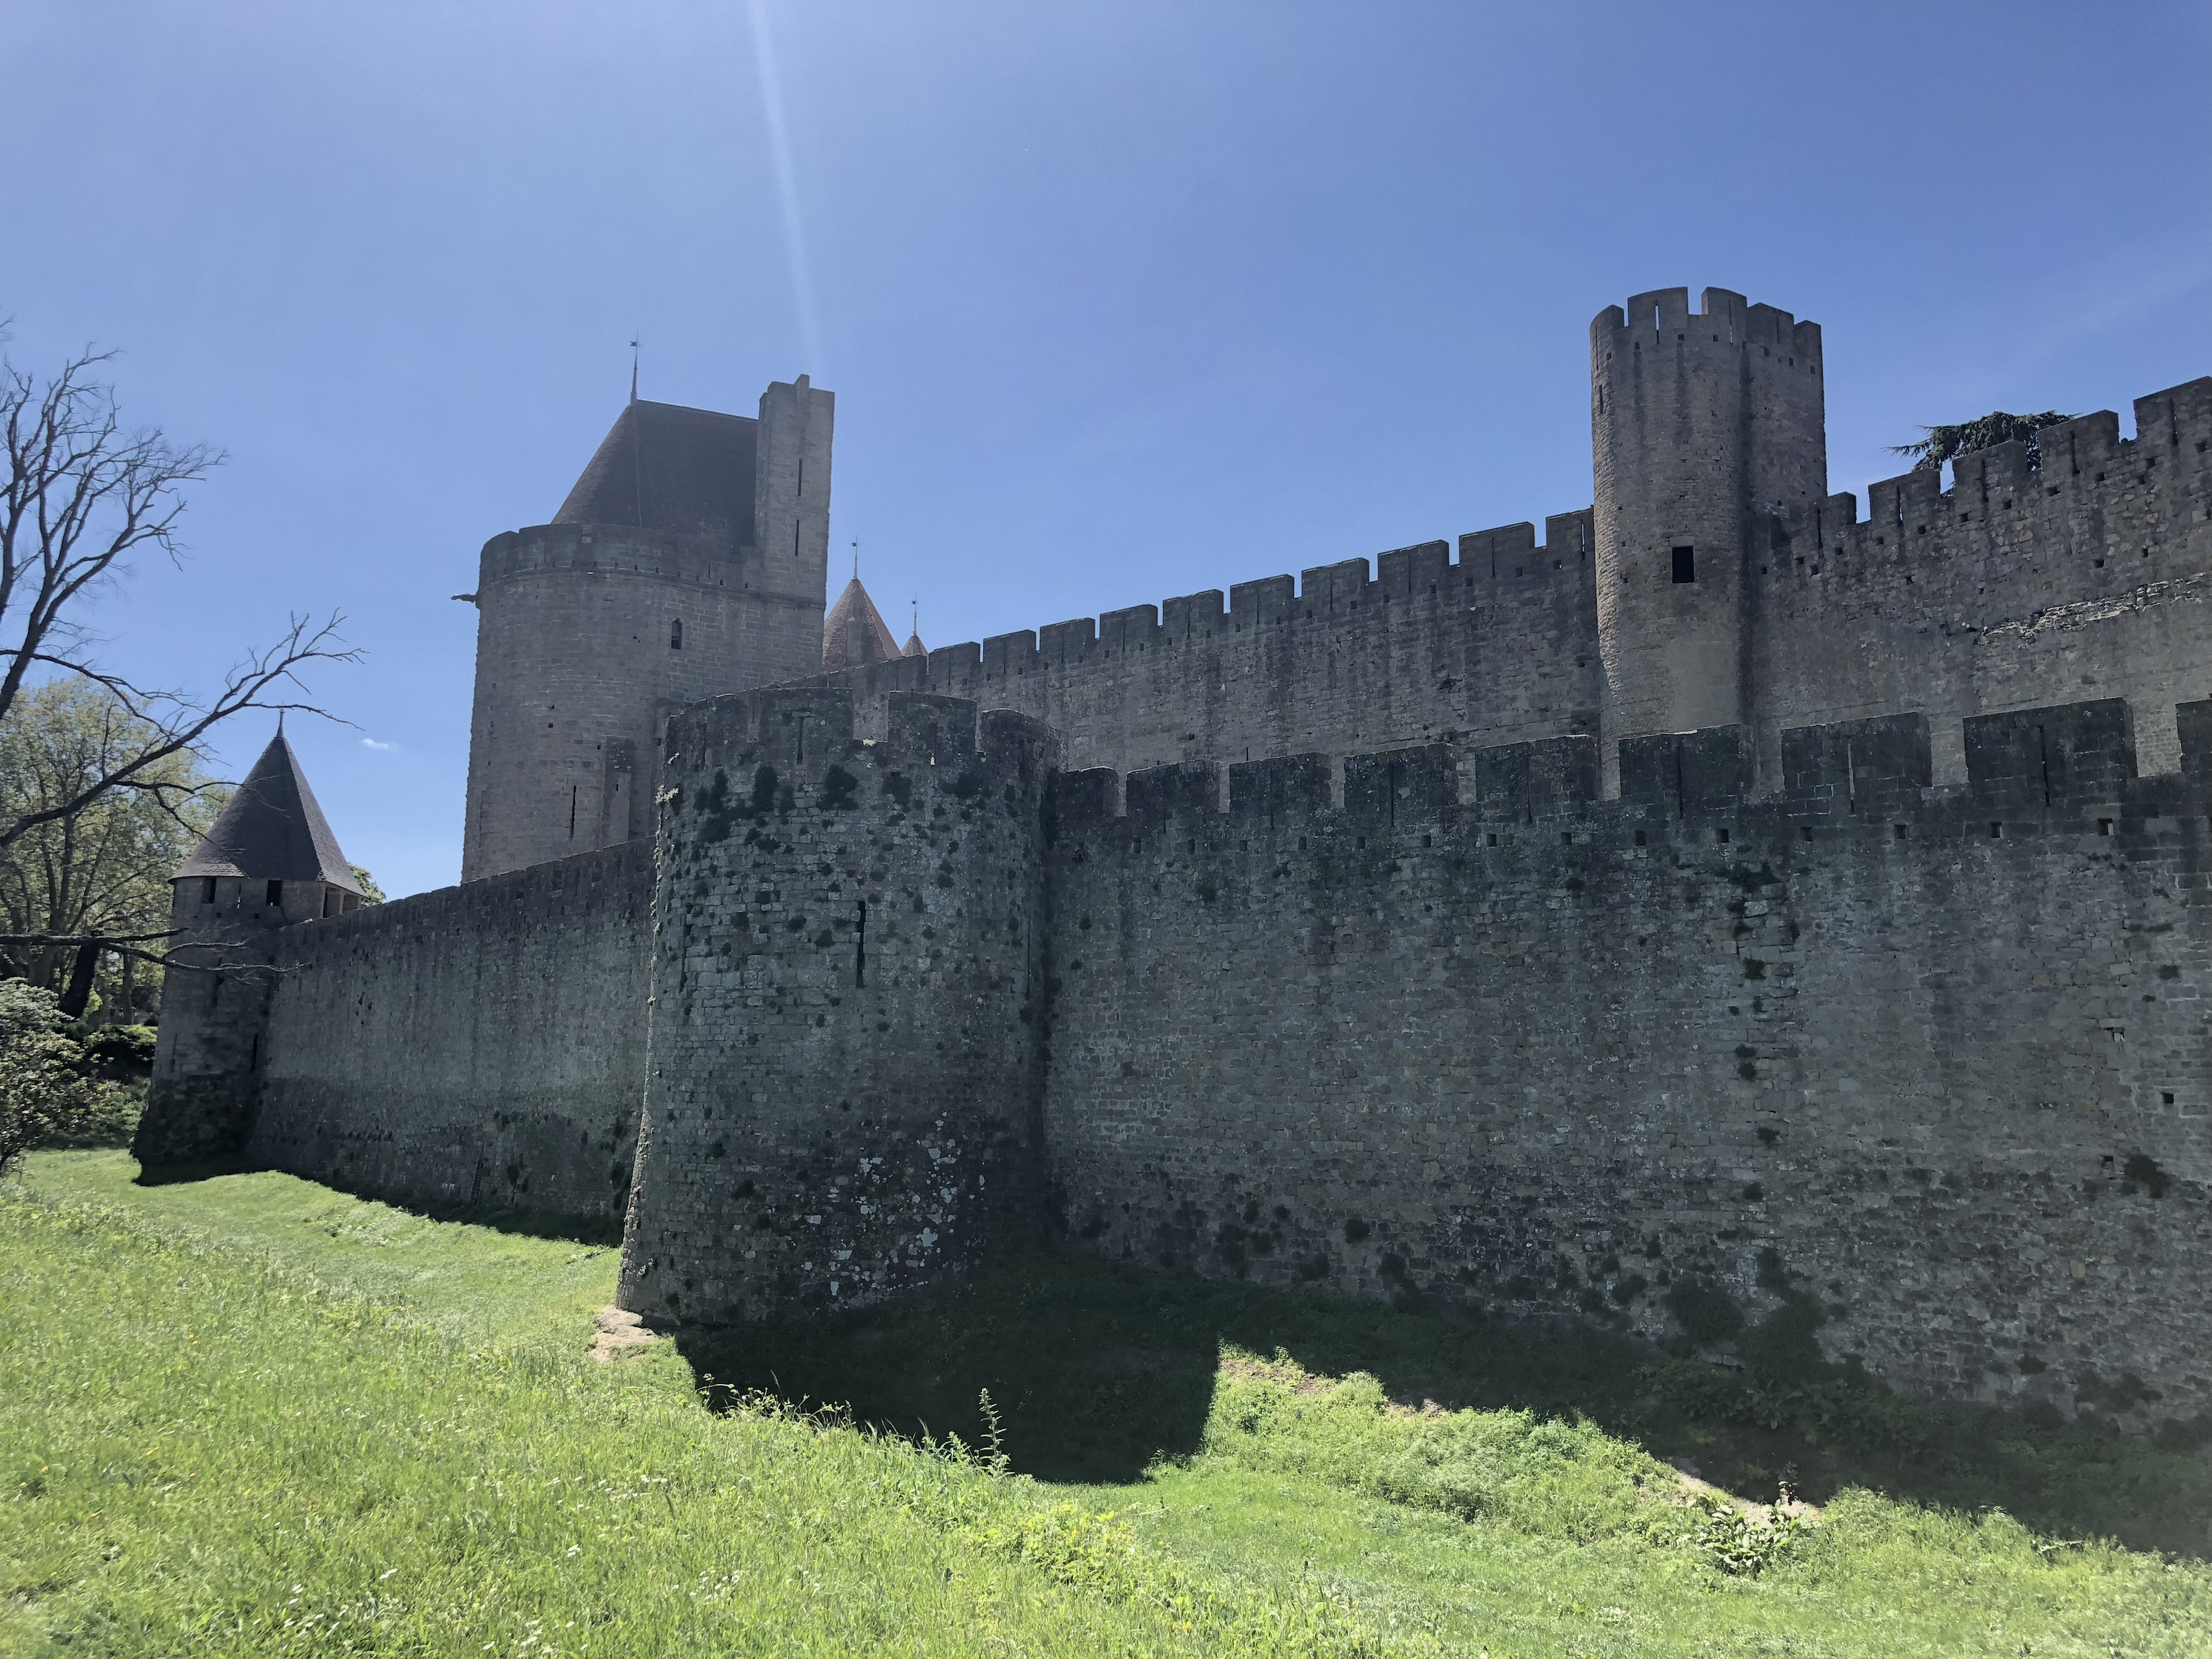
(477, 1046)
(844, 1091)
(1942, 1050)
(1727, 887)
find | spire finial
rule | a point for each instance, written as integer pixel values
(856, 560)
(633, 371)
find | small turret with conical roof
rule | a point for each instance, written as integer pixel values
(272, 833)
(855, 631)
(269, 862)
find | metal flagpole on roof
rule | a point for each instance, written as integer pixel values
(636, 442)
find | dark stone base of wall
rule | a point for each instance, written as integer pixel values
(194, 1121)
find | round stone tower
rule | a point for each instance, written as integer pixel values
(691, 559)
(845, 1095)
(1709, 438)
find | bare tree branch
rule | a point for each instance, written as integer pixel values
(80, 495)
(130, 945)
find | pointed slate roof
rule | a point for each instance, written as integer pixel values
(273, 830)
(855, 632)
(663, 466)
(915, 648)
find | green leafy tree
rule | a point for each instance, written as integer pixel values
(93, 877)
(1947, 443)
(370, 893)
(44, 1091)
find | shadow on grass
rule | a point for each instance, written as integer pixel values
(531, 1224)
(1096, 1369)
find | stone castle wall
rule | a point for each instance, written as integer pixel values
(2012, 589)
(481, 1046)
(1496, 646)
(1930, 1058)
(1380, 930)
(1526, 1048)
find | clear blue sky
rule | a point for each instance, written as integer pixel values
(1119, 299)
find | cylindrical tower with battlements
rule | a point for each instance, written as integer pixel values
(691, 559)
(1708, 436)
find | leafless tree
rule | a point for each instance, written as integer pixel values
(83, 493)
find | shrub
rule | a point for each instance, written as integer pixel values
(43, 1088)
(121, 1051)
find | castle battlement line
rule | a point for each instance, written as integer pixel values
(1726, 874)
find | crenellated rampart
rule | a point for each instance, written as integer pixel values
(1727, 887)
(896, 989)
(2012, 588)
(1497, 642)
(1444, 1024)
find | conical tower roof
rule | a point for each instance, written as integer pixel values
(273, 830)
(855, 632)
(663, 466)
(915, 648)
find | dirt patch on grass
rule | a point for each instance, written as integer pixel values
(615, 1331)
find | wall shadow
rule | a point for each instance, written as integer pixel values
(1098, 1369)
(532, 1224)
(1093, 1374)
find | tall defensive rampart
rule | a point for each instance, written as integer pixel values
(1729, 890)
(1929, 1061)
(1925, 1065)
(2012, 589)
(481, 1045)
(2088, 577)
(1498, 643)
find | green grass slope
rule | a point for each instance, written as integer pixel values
(249, 1415)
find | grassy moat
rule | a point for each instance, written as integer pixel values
(251, 1415)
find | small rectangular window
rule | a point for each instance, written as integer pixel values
(1996, 831)
(207, 893)
(2104, 826)
(1721, 836)
(1686, 564)
(276, 892)
(1900, 830)
(675, 635)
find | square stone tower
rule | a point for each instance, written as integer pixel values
(1709, 435)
